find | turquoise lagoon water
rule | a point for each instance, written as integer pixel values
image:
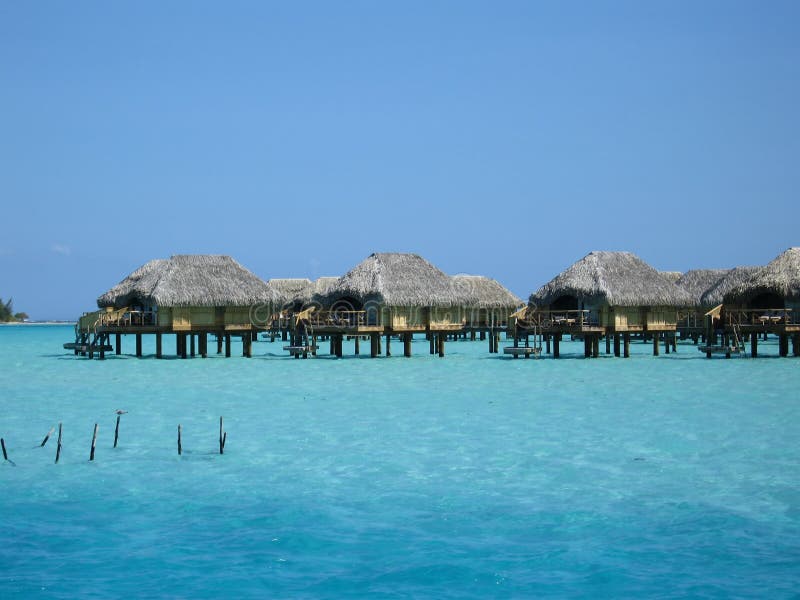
(472, 476)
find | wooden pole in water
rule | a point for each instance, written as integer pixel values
(221, 438)
(139, 344)
(616, 345)
(180, 448)
(388, 344)
(116, 431)
(159, 353)
(94, 441)
(219, 343)
(556, 344)
(626, 339)
(608, 344)
(47, 437)
(118, 344)
(595, 345)
(655, 344)
(227, 345)
(58, 447)
(3, 444)
(407, 344)
(191, 345)
(357, 345)
(442, 337)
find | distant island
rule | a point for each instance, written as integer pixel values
(7, 314)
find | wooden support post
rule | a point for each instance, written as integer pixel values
(139, 344)
(191, 345)
(358, 345)
(227, 345)
(373, 344)
(221, 438)
(626, 344)
(666, 342)
(180, 448)
(754, 345)
(674, 337)
(783, 345)
(339, 338)
(183, 345)
(94, 441)
(616, 345)
(796, 344)
(203, 344)
(219, 343)
(102, 339)
(388, 344)
(608, 343)
(118, 344)
(442, 338)
(655, 344)
(116, 431)
(284, 336)
(547, 343)
(595, 345)
(3, 444)
(472, 336)
(587, 346)
(158, 345)
(556, 344)
(497, 342)
(407, 344)
(482, 336)
(247, 345)
(432, 342)
(58, 447)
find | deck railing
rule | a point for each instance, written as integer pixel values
(761, 317)
(546, 319)
(337, 318)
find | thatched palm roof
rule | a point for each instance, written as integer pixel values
(291, 291)
(716, 293)
(394, 279)
(671, 276)
(189, 280)
(616, 278)
(780, 276)
(323, 284)
(698, 281)
(477, 291)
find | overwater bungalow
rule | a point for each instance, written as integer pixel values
(391, 294)
(487, 306)
(605, 293)
(765, 300)
(189, 296)
(696, 282)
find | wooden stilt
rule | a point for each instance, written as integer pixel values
(442, 338)
(616, 345)
(407, 344)
(102, 339)
(191, 345)
(183, 345)
(388, 344)
(158, 345)
(626, 344)
(47, 437)
(432, 342)
(358, 345)
(227, 345)
(556, 344)
(595, 345)
(3, 444)
(547, 343)
(139, 344)
(203, 339)
(674, 337)
(221, 438)
(219, 343)
(339, 338)
(180, 448)
(313, 345)
(754, 345)
(116, 431)
(783, 344)
(796, 345)
(482, 335)
(587, 346)
(666, 342)
(118, 344)
(655, 344)
(608, 343)
(373, 344)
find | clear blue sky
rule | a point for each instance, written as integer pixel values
(501, 138)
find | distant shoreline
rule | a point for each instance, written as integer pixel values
(14, 323)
